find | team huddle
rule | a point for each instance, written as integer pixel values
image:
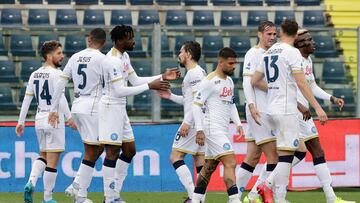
(279, 88)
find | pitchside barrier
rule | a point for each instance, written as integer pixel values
(151, 169)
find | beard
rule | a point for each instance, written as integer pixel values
(229, 73)
(180, 63)
(57, 64)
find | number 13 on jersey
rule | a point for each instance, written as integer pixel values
(271, 68)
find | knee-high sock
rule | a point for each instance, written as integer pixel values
(243, 176)
(233, 194)
(281, 176)
(298, 156)
(198, 195)
(185, 176)
(85, 174)
(323, 173)
(49, 182)
(110, 191)
(37, 169)
(122, 166)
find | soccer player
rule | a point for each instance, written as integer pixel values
(282, 67)
(216, 96)
(259, 137)
(184, 142)
(41, 84)
(308, 132)
(115, 131)
(85, 69)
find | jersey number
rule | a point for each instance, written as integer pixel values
(81, 72)
(45, 94)
(273, 65)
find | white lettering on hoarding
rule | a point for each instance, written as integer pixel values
(138, 161)
(4, 174)
(20, 157)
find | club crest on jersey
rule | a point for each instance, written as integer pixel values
(126, 67)
(226, 91)
(313, 129)
(114, 136)
(248, 66)
(226, 146)
(115, 73)
(296, 142)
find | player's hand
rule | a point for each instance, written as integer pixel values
(159, 85)
(305, 111)
(240, 130)
(171, 74)
(71, 124)
(164, 93)
(184, 129)
(322, 116)
(340, 102)
(200, 138)
(255, 113)
(19, 129)
(53, 119)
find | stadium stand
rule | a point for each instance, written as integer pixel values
(94, 18)
(119, 17)
(307, 2)
(230, 18)
(66, 17)
(142, 103)
(313, 19)
(27, 67)
(148, 17)
(203, 18)
(11, 17)
(3, 51)
(6, 99)
(278, 2)
(241, 44)
(165, 48)
(7, 2)
(224, 2)
(59, 1)
(30, 1)
(73, 44)
(170, 106)
(33, 104)
(250, 2)
(138, 50)
(211, 45)
(334, 72)
(46, 37)
(142, 68)
(7, 72)
(114, 2)
(176, 18)
(255, 17)
(195, 2)
(180, 39)
(168, 2)
(38, 17)
(325, 46)
(283, 15)
(141, 2)
(347, 94)
(21, 45)
(86, 2)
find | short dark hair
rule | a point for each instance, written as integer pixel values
(265, 24)
(48, 47)
(120, 32)
(227, 52)
(289, 27)
(98, 35)
(193, 48)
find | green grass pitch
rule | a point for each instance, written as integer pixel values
(316, 196)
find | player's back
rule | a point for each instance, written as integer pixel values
(42, 84)
(279, 63)
(84, 68)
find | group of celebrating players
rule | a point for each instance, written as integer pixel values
(278, 84)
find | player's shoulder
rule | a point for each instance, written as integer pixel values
(211, 76)
(254, 51)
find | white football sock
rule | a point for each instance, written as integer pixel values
(295, 161)
(323, 173)
(37, 169)
(49, 184)
(121, 171)
(243, 177)
(264, 174)
(85, 174)
(196, 198)
(109, 183)
(185, 178)
(281, 177)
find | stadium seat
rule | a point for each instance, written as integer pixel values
(7, 2)
(148, 17)
(6, 101)
(108, 45)
(278, 2)
(241, 44)
(240, 107)
(212, 45)
(307, 2)
(30, 1)
(180, 39)
(44, 38)
(334, 73)
(74, 43)
(33, 104)
(7, 72)
(86, 2)
(94, 18)
(224, 2)
(250, 2)
(168, 105)
(203, 18)
(195, 2)
(59, 1)
(313, 19)
(168, 2)
(230, 18)
(141, 2)
(142, 68)
(3, 51)
(255, 17)
(119, 17)
(27, 67)
(142, 102)
(114, 2)
(347, 94)
(165, 50)
(283, 15)
(138, 49)
(21, 45)
(325, 47)
(11, 17)
(38, 17)
(176, 18)
(65, 17)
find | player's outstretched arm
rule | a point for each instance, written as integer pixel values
(171, 74)
(321, 94)
(179, 99)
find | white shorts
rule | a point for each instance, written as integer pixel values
(217, 144)
(188, 144)
(260, 134)
(88, 127)
(51, 140)
(286, 129)
(114, 125)
(308, 129)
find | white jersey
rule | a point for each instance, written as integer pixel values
(42, 84)
(116, 67)
(310, 78)
(217, 96)
(252, 60)
(189, 88)
(84, 68)
(278, 65)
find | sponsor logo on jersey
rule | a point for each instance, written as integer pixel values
(226, 146)
(192, 83)
(114, 136)
(226, 91)
(217, 82)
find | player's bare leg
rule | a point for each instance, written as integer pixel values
(110, 190)
(204, 179)
(229, 163)
(37, 169)
(50, 174)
